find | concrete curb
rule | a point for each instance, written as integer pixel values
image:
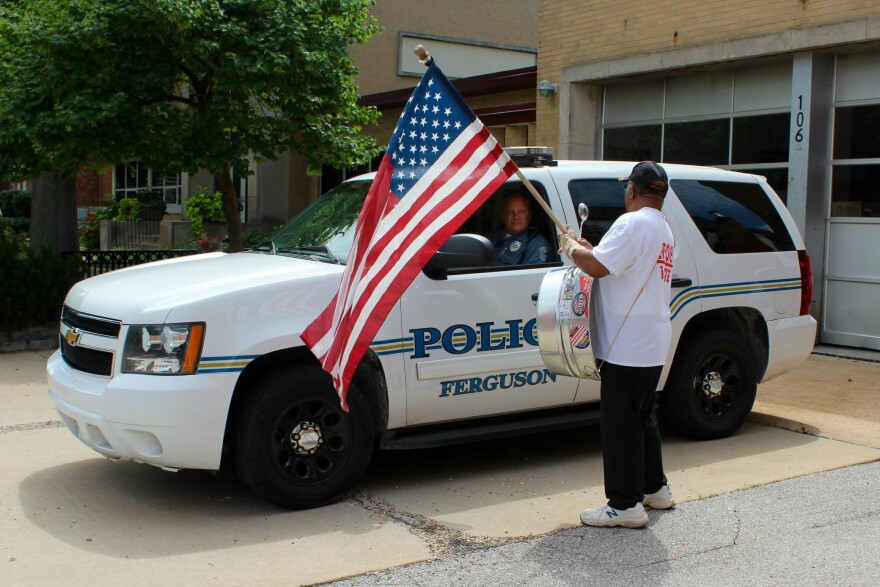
(784, 423)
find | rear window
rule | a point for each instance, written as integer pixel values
(734, 217)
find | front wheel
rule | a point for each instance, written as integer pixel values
(711, 388)
(295, 445)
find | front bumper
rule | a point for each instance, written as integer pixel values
(176, 422)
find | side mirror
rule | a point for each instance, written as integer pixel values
(460, 251)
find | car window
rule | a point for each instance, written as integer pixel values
(604, 199)
(733, 217)
(487, 221)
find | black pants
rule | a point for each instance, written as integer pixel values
(631, 456)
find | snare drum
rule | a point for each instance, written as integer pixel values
(564, 323)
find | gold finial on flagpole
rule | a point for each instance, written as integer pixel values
(421, 54)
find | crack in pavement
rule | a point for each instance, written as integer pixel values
(442, 541)
(32, 426)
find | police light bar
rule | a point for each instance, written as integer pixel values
(531, 156)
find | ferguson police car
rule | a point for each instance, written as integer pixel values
(197, 362)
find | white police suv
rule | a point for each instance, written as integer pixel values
(197, 362)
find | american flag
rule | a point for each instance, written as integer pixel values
(440, 166)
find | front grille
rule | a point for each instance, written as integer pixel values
(88, 360)
(93, 324)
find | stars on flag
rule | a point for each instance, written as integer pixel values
(429, 108)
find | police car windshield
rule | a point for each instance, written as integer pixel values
(326, 227)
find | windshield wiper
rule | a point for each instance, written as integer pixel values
(265, 246)
(325, 254)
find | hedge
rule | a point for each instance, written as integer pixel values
(34, 282)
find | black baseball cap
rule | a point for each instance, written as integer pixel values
(650, 176)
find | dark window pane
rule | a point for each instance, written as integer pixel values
(120, 176)
(733, 217)
(604, 198)
(855, 191)
(634, 143)
(857, 132)
(697, 143)
(761, 139)
(142, 181)
(777, 178)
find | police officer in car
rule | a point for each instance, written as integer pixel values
(517, 242)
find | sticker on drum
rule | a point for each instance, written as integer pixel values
(579, 304)
(579, 337)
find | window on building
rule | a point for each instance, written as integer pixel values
(733, 119)
(132, 178)
(854, 190)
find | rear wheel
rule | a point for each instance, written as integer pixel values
(712, 386)
(295, 445)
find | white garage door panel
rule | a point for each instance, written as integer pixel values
(851, 316)
(852, 284)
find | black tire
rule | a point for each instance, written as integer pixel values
(711, 388)
(295, 445)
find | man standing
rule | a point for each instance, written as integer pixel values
(518, 243)
(633, 264)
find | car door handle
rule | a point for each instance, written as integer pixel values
(681, 282)
(534, 297)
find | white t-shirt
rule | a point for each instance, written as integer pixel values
(638, 243)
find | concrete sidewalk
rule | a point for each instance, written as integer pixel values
(834, 394)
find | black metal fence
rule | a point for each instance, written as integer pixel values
(97, 262)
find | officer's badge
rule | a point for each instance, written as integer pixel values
(514, 246)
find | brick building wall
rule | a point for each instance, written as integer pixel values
(579, 32)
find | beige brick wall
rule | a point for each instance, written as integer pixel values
(575, 32)
(503, 22)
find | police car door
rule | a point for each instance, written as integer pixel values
(471, 341)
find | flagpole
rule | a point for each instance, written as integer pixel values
(423, 56)
(541, 201)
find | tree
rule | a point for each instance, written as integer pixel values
(182, 84)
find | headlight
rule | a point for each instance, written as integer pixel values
(163, 349)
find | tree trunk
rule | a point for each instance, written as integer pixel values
(53, 212)
(230, 208)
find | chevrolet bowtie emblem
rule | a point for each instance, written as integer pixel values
(72, 337)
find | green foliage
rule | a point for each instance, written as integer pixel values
(15, 224)
(184, 84)
(254, 236)
(90, 231)
(35, 282)
(15, 204)
(204, 207)
(128, 209)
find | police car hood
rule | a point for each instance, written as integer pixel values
(146, 294)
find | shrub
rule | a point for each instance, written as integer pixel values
(15, 210)
(254, 236)
(208, 244)
(35, 282)
(204, 207)
(15, 203)
(128, 209)
(16, 224)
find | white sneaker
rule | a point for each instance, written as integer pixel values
(634, 517)
(660, 500)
